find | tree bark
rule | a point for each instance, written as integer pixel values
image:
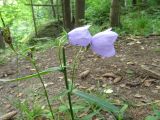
(67, 14)
(80, 12)
(115, 13)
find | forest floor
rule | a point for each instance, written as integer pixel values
(134, 85)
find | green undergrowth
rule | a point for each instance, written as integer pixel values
(141, 23)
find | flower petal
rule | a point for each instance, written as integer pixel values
(103, 43)
(80, 36)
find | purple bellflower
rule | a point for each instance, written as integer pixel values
(102, 43)
(80, 36)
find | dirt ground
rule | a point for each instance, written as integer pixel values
(134, 85)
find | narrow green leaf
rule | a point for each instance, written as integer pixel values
(122, 111)
(151, 118)
(89, 116)
(49, 70)
(98, 101)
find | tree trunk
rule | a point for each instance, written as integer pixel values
(80, 12)
(2, 43)
(67, 14)
(115, 13)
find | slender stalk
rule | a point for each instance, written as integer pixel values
(2, 20)
(39, 76)
(75, 65)
(66, 83)
(45, 91)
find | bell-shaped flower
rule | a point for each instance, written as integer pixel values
(103, 43)
(80, 36)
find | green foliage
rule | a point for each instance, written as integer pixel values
(153, 2)
(102, 103)
(97, 11)
(139, 23)
(14, 16)
(28, 112)
(155, 116)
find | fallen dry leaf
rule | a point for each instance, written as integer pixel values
(109, 75)
(123, 85)
(47, 84)
(82, 87)
(139, 96)
(108, 91)
(19, 94)
(7, 106)
(133, 84)
(1, 87)
(155, 91)
(93, 87)
(33, 70)
(84, 74)
(117, 102)
(158, 87)
(148, 83)
(117, 79)
(130, 63)
(104, 85)
(8, 116)
(83, 114)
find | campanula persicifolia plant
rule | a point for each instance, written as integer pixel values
(102, 44)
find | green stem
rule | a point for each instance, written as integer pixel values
(75, 65)
(45, 91)
(2, 20)
(66, 83)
